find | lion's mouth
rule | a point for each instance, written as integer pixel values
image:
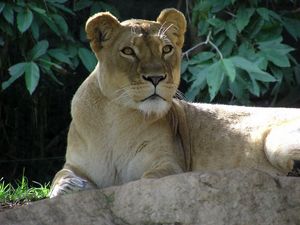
(153, 97)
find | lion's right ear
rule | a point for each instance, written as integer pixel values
(100, 28)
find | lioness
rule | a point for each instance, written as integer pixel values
(127, 125)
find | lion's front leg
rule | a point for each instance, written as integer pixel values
(282, 147)
(162, 168)
(67, 181)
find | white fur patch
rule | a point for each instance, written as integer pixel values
(156, 106)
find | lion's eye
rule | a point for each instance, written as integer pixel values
(127, 51)
(167, 49)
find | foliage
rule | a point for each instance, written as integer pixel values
(244, 55)
(39, 38)
(21, 192)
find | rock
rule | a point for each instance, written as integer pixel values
(216, 198)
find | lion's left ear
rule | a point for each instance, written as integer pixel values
(177, 20)
(100, 29)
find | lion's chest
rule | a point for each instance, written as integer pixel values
(125, 148)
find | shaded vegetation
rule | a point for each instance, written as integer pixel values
(246, 52)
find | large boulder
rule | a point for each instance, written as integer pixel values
(223, 197)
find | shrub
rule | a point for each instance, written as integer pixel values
(44, 38)
(244, 55)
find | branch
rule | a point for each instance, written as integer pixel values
(186, 53)
(207, 41)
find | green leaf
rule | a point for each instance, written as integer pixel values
(227, 47)
(243, 17)
(255, 27)
(82, 4)
(264, 13)
(35, 30)
(246, 65)
(63, 8)
(37, 9)
(201, 57)
(24, 20)
(292, 26)
(276, 52)
(15, 72)
(61, 23)
(184, 65)
(276, 57)
(60, 55)
(229, 69)
(38, 50)
(262, 77)
(32, 76)
(214, 78)
(239, 89)
(49, 21)
(231, 30)
(2, 5)
(254, 89)
(8, 13)
(217, 23)
(87, 58)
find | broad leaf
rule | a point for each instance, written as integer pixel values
(264, 13)
(243, 17)
(51, 24)
(15, 72)
(38, 50)
(8, 13)
(37, 9)
(262, 77)
(254, 89)
(184, 65)
(231, 30)
(229, 69)
(60, 55)
(292, 26)
(87, 58)
(201, 57)
(214, 78)
(2, 5)
(82, 4)
(61, 23)
(217, 23)
(276, 52)
(24, 20)
(32, 76)
(246, 65)
(35, 30)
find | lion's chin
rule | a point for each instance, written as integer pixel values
(154, 106)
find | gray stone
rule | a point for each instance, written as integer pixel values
(228, 197)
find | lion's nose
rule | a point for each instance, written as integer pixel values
(154, 79)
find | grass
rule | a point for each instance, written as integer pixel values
(21, 193)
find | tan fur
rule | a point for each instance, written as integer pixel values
(119, 134)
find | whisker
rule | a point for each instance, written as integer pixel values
(179, 95)
(165, 30)
(160, 29)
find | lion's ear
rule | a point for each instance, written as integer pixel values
(100, 28)
(175, 19)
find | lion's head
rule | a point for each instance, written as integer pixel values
(139, 60)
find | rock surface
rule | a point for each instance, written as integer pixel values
(224, 197)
